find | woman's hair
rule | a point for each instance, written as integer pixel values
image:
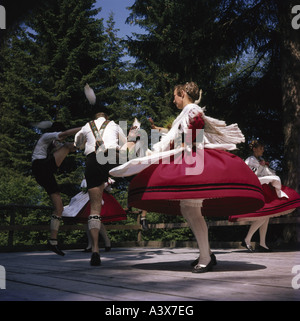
(191, 89)
(255, 143)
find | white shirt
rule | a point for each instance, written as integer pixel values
(113, 136)
(40, 150)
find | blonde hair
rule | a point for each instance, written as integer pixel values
(191, 89)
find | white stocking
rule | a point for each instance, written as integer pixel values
(198, 225)
(253, 228)
(263, 233)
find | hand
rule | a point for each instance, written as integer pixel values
(151, 122)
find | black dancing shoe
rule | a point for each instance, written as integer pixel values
(248, 247)
(213, 259)
(95, 259)
(87, 250)
(107, 248)
(55, 249)
(203, 269)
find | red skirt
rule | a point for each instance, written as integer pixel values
(226, 183)
(111, 211)
(274, 206)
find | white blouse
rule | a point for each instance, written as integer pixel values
(113, 136)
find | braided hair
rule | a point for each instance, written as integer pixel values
(191, 89)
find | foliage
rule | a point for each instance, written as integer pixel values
(239, 52)
(229, 48)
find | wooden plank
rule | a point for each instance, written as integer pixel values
(143, 274)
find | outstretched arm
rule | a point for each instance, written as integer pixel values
(68, 132)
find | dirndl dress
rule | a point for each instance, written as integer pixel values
(279, 199)
(79, 209)
(222, 179)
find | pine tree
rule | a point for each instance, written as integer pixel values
(206, 41)
(45, 65)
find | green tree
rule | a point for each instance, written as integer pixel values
(45, 65)
(210, 42)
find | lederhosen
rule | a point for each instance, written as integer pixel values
(44, 169)
(96, 174)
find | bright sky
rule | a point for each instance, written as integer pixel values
(118, 7)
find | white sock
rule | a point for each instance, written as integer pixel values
(53, 242)
(94, 222)
(55, 222)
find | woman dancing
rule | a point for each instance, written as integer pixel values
(196, 179)
(279, 199)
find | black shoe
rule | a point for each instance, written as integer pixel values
(87, 250)
(248, 247)
(263, 249)
(203, 269)
(95, 259)
(107, 248)
(55, 249)
(213, 259)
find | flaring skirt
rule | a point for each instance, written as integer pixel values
(274, 206)
(79, 209)
(224, 180)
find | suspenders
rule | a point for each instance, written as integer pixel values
(98, 134)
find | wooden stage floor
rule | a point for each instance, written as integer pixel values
(150, 274)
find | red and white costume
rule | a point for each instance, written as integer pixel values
(218, 181)
(279, 199)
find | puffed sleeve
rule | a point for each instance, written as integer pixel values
(195, 122)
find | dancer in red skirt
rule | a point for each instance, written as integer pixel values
(199, 178)
(279, 199)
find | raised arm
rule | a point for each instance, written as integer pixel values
(68, 132)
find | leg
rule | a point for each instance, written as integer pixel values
(63, 152)
(94, 223)
(263, 233)
(253, 228)
(88, 234)
(55, 222)
(144, 222)
(199, 227)
(105, 237)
